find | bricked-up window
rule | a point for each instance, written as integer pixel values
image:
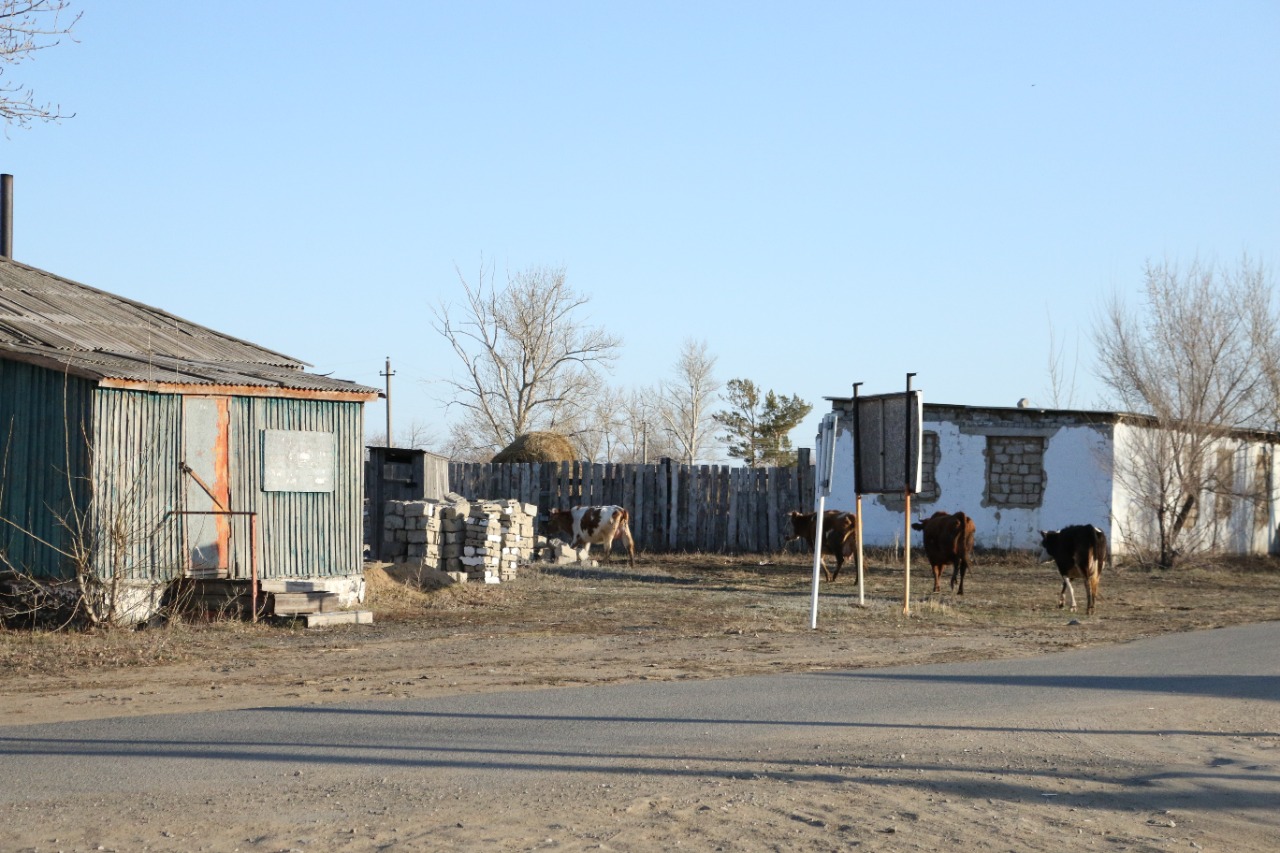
(1015, 470)
(930, 454)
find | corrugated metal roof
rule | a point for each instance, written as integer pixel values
(49, 320)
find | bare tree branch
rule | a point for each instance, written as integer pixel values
(1062, 385)
(686, 402)
(26, 28)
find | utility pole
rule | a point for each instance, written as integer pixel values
(389, 373)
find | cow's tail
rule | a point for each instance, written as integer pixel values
(624, 522)
(1101, 550)
(966, 541)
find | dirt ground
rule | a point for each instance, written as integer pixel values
(686, 617)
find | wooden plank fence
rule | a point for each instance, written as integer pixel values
(674, 507)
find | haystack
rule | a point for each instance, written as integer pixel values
(538, 447)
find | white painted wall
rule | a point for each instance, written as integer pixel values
(1246, 528)
(1081, 484)
(1077, 488)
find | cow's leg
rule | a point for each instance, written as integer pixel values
(1062, 596)
(937, 577)
(624, 533)
(1091, 588)
(957, 569)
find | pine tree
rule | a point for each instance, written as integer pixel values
(757, 430)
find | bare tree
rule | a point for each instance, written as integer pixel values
(27, 27)
(463, 446)
(417, 435)
(1062, 382)
(1200, 360)
(686, 402)
(529, 359)
(644, 437)
(600, 424)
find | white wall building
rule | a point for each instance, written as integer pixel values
(1017, 471)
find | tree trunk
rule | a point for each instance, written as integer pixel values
(1169, 553)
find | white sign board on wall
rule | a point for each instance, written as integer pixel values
(297, 461)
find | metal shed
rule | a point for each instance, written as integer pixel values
(152, 448)
(399, 474)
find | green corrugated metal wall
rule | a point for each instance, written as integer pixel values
(137, 484)
(301, 534)
(137, 445)
(44, 466)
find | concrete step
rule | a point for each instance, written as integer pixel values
(297, 603)
(339, 617)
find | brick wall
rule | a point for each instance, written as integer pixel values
(1015, 470)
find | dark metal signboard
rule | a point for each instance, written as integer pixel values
(887, 435)
(886, 441)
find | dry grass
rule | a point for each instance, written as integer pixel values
(681, 597)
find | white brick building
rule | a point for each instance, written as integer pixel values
(1017, 471)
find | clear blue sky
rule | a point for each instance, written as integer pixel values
(823, 192)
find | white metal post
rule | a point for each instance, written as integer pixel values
(826, 464)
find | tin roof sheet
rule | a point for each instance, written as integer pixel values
(48, 319)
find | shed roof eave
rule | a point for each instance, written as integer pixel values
(51, 362)
(354, 396)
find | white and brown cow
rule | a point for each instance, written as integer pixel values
(594, 525)
(1079, 550)
(948, 538)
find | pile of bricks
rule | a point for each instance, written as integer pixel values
(484, 541)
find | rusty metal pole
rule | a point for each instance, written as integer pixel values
(253, 564)
(6, 215)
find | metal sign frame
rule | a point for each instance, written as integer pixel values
(888, 428)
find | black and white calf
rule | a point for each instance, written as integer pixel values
(1079, 550)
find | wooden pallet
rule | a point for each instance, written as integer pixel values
(211, 597)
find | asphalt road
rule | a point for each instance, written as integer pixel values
(724, 726)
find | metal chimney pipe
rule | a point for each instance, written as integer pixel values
(6, 216)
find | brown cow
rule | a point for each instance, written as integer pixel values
(948, 538)
(594, 525)
(1079, 550)
(838, 540)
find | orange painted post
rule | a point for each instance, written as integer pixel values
(857, 527)
(906, 592)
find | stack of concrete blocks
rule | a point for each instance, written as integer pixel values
(499, 539)
(412, 532)
(486, 541)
